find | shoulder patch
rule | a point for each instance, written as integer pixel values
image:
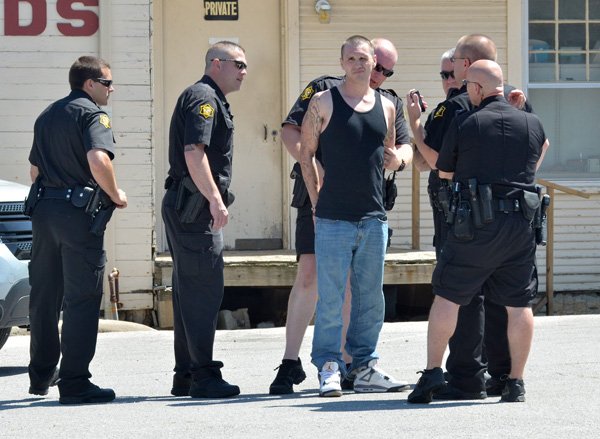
(440, 112)
(206, 111)
(104, 121)
(307, 93)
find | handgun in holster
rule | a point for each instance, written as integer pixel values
(454, 203)
(101, 208)
(299, 192)
(190, 201)
(540, 218)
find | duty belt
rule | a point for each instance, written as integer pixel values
(507, 205)
(56, 193)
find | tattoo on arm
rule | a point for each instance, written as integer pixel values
(315, 118)
(390, 136)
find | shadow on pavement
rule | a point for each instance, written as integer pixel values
(7, 371)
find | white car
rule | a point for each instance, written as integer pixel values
(15, 252)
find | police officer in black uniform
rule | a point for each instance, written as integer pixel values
(195, 211)
(467, 361)
(302, 302)
(497, 148)
(71, 155)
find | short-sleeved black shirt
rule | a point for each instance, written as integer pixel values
(63, 135)
(296, 114)
(202, 116)
(494, 143)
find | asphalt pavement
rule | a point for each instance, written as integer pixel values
(562, 381)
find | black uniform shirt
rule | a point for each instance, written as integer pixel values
(202, 116)
(296, 114)
(63, 135)
(437, 125)
(495, 143)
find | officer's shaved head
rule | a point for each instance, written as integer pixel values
(484, 79)
(475, 47)
(385, 48)
(222, 50)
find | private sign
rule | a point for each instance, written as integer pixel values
(221, 10)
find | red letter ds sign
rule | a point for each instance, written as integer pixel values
(36, 17)
(221, 10)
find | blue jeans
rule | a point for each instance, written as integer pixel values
(359, 247)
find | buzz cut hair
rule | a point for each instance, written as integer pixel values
(476, 47)
(357, 40)
(221, 50)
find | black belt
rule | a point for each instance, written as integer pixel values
(507, 205)
(56, 193)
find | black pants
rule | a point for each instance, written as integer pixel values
(66, 270)
(480, 340)
(198, 283)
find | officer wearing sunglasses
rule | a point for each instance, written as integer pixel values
(195, 212)
(73, 146)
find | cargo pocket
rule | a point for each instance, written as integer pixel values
(96, 261)
(198, 252)
(441, 269)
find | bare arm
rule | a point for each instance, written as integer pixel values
(541, 159)
(34, 172)
(446, 175)
(420, 163)
(200, 172)
(429, 154)
(311, 130)
(104, 175)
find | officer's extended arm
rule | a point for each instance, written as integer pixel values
(414, 117)
(104, 174)
(199, 169)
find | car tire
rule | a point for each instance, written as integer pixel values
(4, 333)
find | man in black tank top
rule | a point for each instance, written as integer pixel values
(351, 125)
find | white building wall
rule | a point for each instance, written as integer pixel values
(34, 73)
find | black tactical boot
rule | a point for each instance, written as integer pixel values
(290, 372)
(431, 381)
(42, 387)
(181, 384)
(514, 391)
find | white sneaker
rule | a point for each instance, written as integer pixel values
(329, 380)
(371, 379)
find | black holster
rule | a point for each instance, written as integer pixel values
(463, 222)
(299, 192)
(32, 198)
(101, 208)
(190, 201)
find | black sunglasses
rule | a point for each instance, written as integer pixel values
(239, 64)
(104, 82)
(385, 72)
(446, 75)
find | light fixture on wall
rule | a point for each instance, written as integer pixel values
(323, 8)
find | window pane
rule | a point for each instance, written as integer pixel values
(571, 36)
(544, 34)
(595, 66)
(541, 9)
(594, 9)
(594, 36)
(571, 9)
(572, 67)
(570, 122)
(541, 67)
